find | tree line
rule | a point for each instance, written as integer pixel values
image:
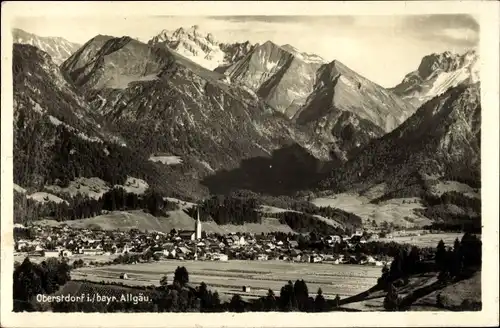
(228, 210)
(452, 265)
(82, 206)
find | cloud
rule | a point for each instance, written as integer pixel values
(457, 30)
(316, 20)
(460, 34)
(429, 22)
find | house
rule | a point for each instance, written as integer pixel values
(358, 232)
(262, 257)
(293, 244)
(35, 253)
(220, 257)
(170, 252)
(316, 259)
(183, 250)
(66, 253)
(334, 239)
(241, 241)
(305, 258)
(355, 239)
(283, 258)
(186, 235)
(123, 276)
(90, 251)
(371, 260)
(246, 289)
(270, 246)
(231, 240)
(51, 254)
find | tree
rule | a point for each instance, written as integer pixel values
(215, 301)
(270, 300)
(236, 304)
(391, 300)
(164, 281)
(301, 294)
(412, 260)
(319, 301)
(337, 300)
(456, 259)
(205, 297)
(396, 271)
(440, 256)
(287, 297)
(31, 279)
(181, 276)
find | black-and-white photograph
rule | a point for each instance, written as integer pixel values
(247, 163)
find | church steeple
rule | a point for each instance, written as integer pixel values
(198, 225)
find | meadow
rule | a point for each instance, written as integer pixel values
(229, 277)
(426, 240)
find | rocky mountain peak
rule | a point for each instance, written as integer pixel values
(58, 48)
(201, 47)
(436, 73)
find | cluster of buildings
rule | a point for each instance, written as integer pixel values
(63, 241)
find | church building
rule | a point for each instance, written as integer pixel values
(192, 234)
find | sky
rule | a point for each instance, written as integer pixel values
(381, 48)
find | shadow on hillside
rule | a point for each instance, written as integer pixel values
(287, 171)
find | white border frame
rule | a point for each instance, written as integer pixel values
(488, 14)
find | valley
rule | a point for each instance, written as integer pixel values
(250, 165)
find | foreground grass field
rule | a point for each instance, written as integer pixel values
(229, 277)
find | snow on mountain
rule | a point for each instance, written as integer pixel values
(308, 58)
(58, 48)
(200, 47)
(436, 74)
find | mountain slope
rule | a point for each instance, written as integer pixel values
(337, 103)
(58, 138)
(441, 139)
(58, 48)
(280, 75)
(437, 73)
(202, 48)
(350, 109)
(162, 102)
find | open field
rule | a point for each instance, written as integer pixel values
(441, 187)
(229, 277)
(19, 257)
(454, 294)
(179, 220)
(426, 240)
(394, 210)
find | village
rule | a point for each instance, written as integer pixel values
(71, 243)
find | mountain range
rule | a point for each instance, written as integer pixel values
(192, 116)
(58, 48)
